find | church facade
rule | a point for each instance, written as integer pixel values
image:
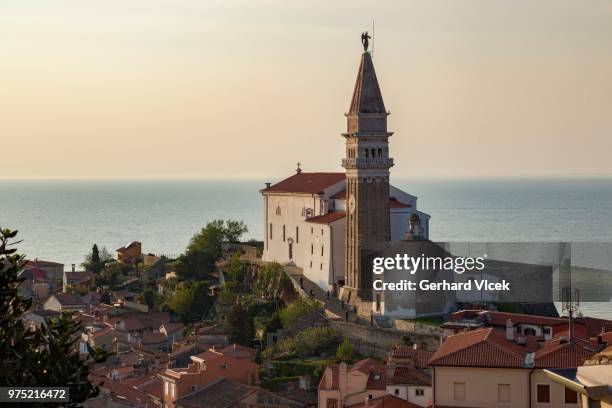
(328, 223)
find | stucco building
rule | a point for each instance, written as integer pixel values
(495, 367)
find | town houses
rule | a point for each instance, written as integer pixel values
(293, 321)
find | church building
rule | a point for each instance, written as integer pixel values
(328, 223)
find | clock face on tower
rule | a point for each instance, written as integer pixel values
(351, 203)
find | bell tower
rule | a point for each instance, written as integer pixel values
(367, 165)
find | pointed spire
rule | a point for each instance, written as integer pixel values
(366, 96)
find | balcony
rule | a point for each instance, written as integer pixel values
(367, 162)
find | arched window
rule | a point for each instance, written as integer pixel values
(379, 152)
(373, 153)
(367, 153)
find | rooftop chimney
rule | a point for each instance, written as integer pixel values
(73, 267)
(268, 185)
(509, 330)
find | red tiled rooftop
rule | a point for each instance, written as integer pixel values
(69, 299)
(153, 338)
(310, 183)
(403, 351)
(41, 263)
(387, 401)
(409, 376)
(479, 348)
(393, 203)
(327, 218)
(489, 347)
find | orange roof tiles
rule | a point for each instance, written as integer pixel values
(310, 183)
(327, 218)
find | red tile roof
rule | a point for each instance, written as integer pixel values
(310, 183)
(370, 367)
(153, 338)
(557, 354)
(488, 347)
(403, 351)
(393, 203)
(387, 401)
(409, 376)
(238, 351)
(478, 348)
(327, 218)
(69, 299)
(41, 263)
(80, 276)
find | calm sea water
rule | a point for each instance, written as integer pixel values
(60, 220)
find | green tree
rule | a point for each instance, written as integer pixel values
(97, 259)
(44, 357)
(191, 303)
(148, 297)
(345, 351)
(204, 249)
(234, 230)
(297, 310)
(239, 325)
(96, 265)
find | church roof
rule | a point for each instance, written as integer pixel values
(306, 183)
(327, 218)
(366, 96)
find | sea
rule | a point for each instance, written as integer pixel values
(60, 220)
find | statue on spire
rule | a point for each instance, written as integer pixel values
(365, 40)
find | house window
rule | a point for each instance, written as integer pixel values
(503, 392)
(297, 234)
(311, 230)
(367, 153)
(419, 392)
(547, 331)
(194, 387)
(270, 230)
(321, 267)
(459, 391)
(311, 264)
(311, 249)
(321, 250)
(543, 393)
(571, 396)
(284, 233)
(331, 403)
(529, 331)
(321, 231)
(379, 152)
(321, 207)
(397, 391)
(278, 210)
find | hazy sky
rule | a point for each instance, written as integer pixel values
(145, 88)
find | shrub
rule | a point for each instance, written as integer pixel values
(297, 310)
(309, 342)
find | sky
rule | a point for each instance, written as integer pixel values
(183, 88)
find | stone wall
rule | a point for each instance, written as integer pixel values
(373, 341)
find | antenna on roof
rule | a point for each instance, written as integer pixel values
(570, 303)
